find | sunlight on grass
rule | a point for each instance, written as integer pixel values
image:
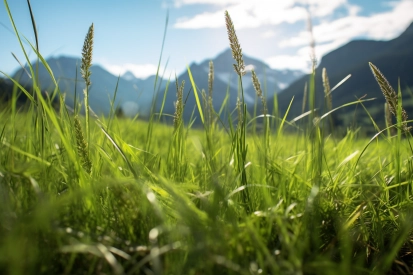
(82, 194)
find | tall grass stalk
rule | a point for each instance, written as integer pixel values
(266, 119)
(328, 99)
(177, 162)
(394, 103)
(156, 88)
(85, 71)
(40, 115)
(239, 144)
(391, 97)
(210, 152)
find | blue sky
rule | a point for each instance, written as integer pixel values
(128, 33)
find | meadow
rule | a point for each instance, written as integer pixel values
(82, 194)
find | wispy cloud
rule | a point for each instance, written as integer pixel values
(179, 3)
(253, 14)
(331, 34)
(385, 25)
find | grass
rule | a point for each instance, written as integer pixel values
(88, 195)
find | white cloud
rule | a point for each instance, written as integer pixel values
(212, 20)
(179, 3)
(389, 24)
(294, 62)
(140, 71)
(302, 59)
(353, 10)
(245, 14)
(321, 8)
(256, 13)
(302, 38)
(385, 25)
(331, 34)
(268, 34)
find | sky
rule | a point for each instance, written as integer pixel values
(129, 33)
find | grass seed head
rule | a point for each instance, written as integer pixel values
(327, 90)
(82, 146)
(210, 78)
(179, 105)
(87, 56)
(257, 87)
(389, 94)
(210, 107)
(235, 46)
(256, 83)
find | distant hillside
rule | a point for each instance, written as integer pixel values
(6, 94)
(133, 95)
(394, 58)
(225, 80)
(6, 90)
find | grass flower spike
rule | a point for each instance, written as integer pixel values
(210, 107)
(327, 90)
(258, 90)
(85, 71)
(87, 56)
(235, 46)
(82, 146)
(179, 105)
(389, 94)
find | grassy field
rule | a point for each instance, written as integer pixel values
(105, 195)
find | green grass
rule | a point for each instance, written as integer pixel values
(97, 199)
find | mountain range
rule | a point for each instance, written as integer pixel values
(130, 92)
(135, 95)
(226, 83)
(394, 58)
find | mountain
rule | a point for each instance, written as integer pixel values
(22, 101)
(6, 90)
(276, 80)
(133, 95)
(394, 58)
(6, 93)
(129, 76)
(225, 79)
